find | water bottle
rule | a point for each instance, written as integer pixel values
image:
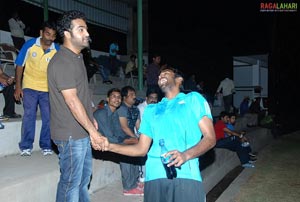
(170, 171)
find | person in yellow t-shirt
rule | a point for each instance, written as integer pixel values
(32, 87)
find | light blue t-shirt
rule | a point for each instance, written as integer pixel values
(230, 127)
(113, 49)
(175, 121)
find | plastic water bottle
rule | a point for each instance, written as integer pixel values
(170, 171)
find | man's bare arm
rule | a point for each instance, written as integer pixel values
(139, 149)
(79, 113)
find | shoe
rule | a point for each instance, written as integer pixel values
(47, 152)
(248, 165)
(107, 82)
(134, 192)
(3, 118)
(252, 155)
(245, 144)
(140, 185)
(26, 152)
(252, 161)
(13, 116)
(1, 126)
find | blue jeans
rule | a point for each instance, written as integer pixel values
(31, 100)
(130, 175)
(75, 161)
(234, 145)
(104, 72)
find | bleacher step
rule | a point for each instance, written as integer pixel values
(28, 178)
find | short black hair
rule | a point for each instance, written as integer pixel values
(231, 114)
(113, 90)
(64, 23)
(133, 56)
(151, 91)
(177, 72)
(223, 114)
(48, 24)
(125, 90)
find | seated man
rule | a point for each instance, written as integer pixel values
(131, 67)
(8, 91)
(232, 142)
(251, 117)
(109, 125)
(244, 141)
(94, 65)
(129, 116)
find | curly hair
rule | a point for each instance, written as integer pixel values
(64, 23)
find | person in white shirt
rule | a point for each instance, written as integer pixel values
(17, 27)
(227, 88)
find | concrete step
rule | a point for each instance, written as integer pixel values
(34, 178)
(28, 178)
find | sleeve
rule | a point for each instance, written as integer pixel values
(199, 106)
(22, 56)
(145, 126)
(22, 25)
(219, 87)
(122, 111)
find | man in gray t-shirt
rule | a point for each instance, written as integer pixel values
(72, 124)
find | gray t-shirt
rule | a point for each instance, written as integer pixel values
(109, 125)
(66, 70)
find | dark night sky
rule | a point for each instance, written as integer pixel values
(203, 38)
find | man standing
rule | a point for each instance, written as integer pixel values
(17, 27)
(72, 128)
(113, 52)
(152, 73)
(32, 87)
(184, 121)
(228, 89)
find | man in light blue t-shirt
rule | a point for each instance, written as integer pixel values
(184, 121)
(113, 51)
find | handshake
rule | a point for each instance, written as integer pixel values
(100, 143)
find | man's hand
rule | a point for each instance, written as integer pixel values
(99, 142)
(18, 93)
(177, 158)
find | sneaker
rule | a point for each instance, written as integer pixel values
(1, 126)
(252, 155)
(47, 152)
(133, 192)
(3, 118)
(26, 152)
(248, 165)
(141, 185)
(245, 144)
(13, 116)
(252, 160)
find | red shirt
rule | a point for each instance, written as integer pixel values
(219, 129)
